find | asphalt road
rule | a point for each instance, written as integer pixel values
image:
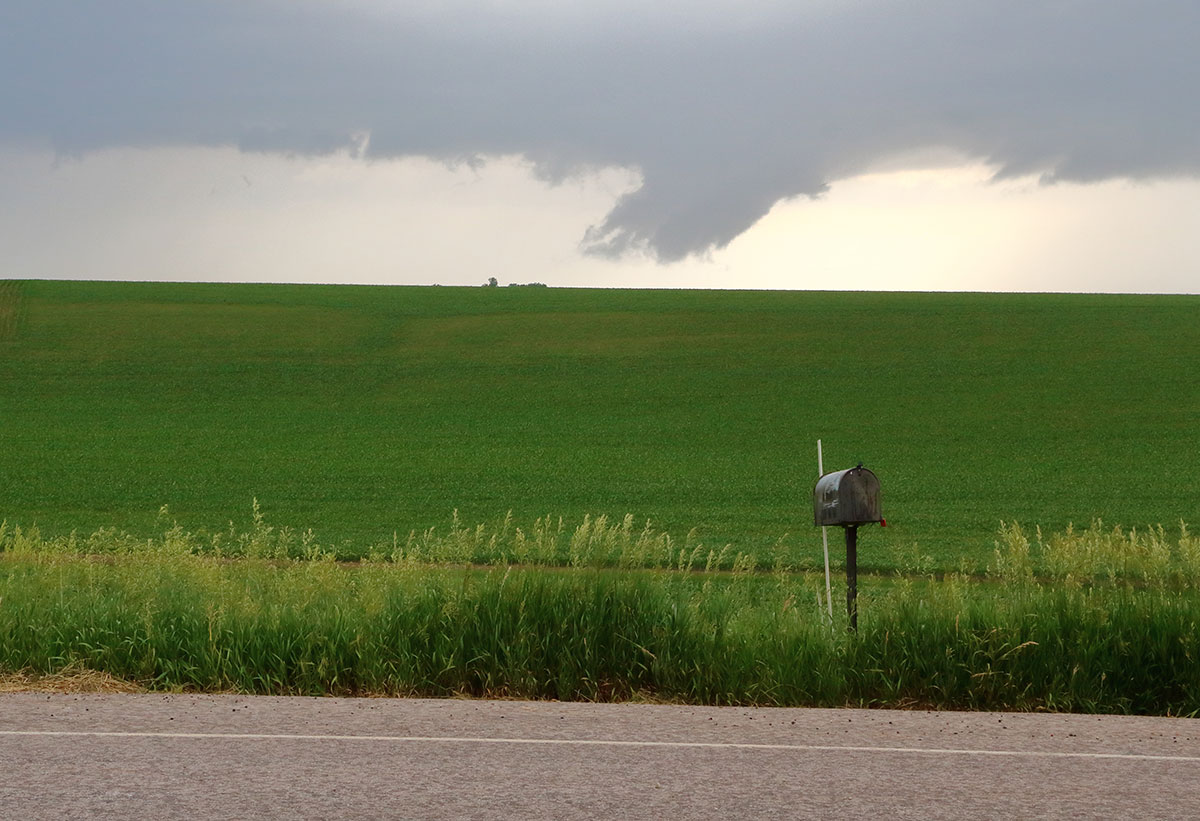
(183, 756)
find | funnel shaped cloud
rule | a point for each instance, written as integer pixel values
(723, 110)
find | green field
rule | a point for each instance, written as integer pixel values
(365, 412)
(180, 466)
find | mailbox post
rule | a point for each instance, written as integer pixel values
(847, 499)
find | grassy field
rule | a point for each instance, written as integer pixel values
(160, 615)
(367, 412)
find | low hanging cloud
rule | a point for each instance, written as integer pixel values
(723, 108)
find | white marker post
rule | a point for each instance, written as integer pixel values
(825, 537)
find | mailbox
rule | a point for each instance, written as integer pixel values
(847, 498)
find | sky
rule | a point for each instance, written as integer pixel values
(813, 144)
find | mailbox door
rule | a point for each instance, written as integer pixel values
(860, 496)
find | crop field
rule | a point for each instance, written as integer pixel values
(600, 494)
(365, 413)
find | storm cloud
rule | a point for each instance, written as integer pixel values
(723, 109)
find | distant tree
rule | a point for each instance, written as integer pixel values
(492, 282)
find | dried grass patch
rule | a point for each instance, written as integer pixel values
(68, 680)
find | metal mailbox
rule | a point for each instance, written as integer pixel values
(847, 498)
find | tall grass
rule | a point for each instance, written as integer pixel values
(549, 541)
(172, 618)
(594, 542)
(1078, 557)
(1072, 557)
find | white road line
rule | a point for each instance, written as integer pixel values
(584, 742)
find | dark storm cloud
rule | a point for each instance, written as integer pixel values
(724, 115)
